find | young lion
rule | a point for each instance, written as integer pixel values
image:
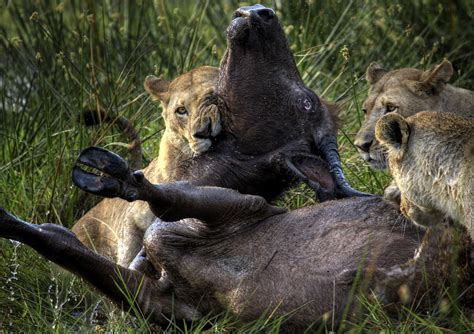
(431, 158)
(114, 228)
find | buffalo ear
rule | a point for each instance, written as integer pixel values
(393, 131)
(315, 172)
(433, 81)
(374, 73)
(157, 88)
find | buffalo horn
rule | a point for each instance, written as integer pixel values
(328, 148)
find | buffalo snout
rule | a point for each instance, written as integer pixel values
(266, 14)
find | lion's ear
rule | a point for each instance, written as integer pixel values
(392, 131)
(432, 81)
(439, 74)
(374, 73)
(157, 88)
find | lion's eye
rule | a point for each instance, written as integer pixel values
(390, 108)
(364, 111)
(181, 111)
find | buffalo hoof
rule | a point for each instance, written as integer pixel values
(5, 222)
(118, 181)
(105, 161)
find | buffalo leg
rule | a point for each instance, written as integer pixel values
(123, 286)
(173, 201)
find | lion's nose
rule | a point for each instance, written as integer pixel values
(363, 146)
(204, 132)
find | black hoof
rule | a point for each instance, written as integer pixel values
(3, 214)
(105, 161)
(99, 185)
(13, 228)
(119, 180)
(6, 217)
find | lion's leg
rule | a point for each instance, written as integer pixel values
(420, 215)
(129, 244)
(469, 216)
(130, 230)
(392, 194)
(443, 255)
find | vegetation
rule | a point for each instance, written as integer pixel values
(59, 57)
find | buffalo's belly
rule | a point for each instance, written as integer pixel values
(310, 257)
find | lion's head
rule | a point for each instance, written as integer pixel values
(190, 109)
(406, 92)
(431, 156)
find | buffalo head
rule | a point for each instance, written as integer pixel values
(266, 105)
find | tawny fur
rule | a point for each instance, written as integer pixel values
(406, 92)
(431, 158)
(115, 228)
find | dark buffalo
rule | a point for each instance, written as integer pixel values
(228, 252)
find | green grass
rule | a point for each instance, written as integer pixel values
(60, 57)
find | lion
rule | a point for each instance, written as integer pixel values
(431, 158)
(114, 228)
(406, 91)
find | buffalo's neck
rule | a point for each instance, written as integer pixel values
(254, 175)
(257, 94)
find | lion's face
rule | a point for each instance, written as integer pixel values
(189, 108)
(405, 92)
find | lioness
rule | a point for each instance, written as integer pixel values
(115, 228)
(406, 92)
(431, 158)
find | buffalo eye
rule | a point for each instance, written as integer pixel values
(304, 100)
(390, 108)
(307, 105)
(181, 111)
